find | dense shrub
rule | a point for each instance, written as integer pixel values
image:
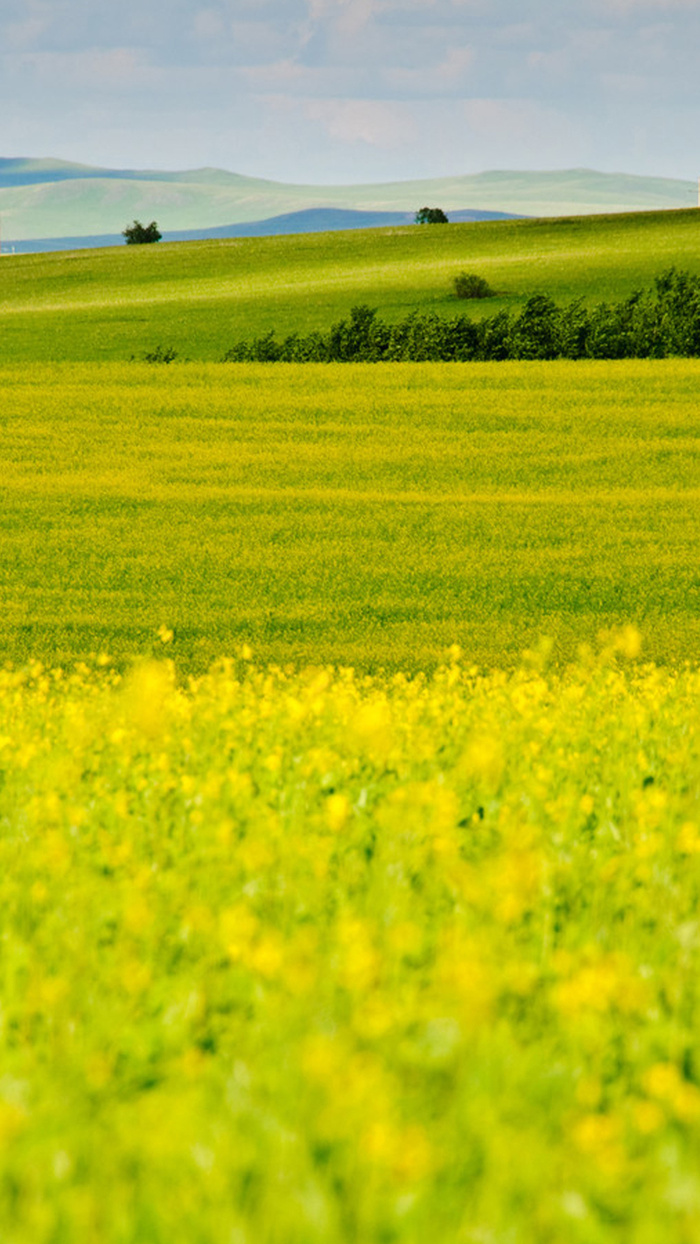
(161, 354)
(658, 323)
(535, 334)
(138, 234)
(574, 326)
(471, 285)
(431, 216)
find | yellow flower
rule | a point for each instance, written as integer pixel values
(664, 1083)
(136, 976)
(628, 642)
(413, 1160)
(599, 1137)
(337, 812)
(12, 1120)
(146, 696)
(372, 729)
(648, 1117)
(688, 840)
(267, 955)
(237, 927)
(483, 758)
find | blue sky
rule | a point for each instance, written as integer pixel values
(331, 91)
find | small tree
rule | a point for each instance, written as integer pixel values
(431, 216)
(471, 285)
(138, 233)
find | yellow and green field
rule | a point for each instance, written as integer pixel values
(317, 958)
(365, 516)
(349, 763)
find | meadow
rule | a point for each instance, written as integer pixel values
(366, 516)
(200, 297)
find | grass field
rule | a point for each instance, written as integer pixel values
(364, 515)
(317, 960)
(199, 297)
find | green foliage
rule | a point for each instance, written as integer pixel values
(431, 216)
(137, 234)
(660, 324)
(161, 354)
(535, 334)
(471, 285)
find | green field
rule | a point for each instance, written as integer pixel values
(363, 515)
(199, 297)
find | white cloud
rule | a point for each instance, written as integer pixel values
(375, 123)
(444, 79)
(641, 6)
(25, 33)
(417, 86)
(208, 24)
(105, 70)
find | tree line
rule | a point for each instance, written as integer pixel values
(658, 323)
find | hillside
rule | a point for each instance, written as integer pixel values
(312, 220)
(200, 297)
(55, 199)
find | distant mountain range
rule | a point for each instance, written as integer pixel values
(313, 220)
(53, 204)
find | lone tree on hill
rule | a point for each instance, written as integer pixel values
(431, 216)
(470, 285)
(137, 233)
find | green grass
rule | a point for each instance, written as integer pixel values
(199, 297)
(362, 515)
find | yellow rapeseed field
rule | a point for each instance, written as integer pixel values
(320, 958)
(356, 515)
(314, 927)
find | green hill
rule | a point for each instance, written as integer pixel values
(199, 297)
(52, 199)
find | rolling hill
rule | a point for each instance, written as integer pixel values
(52, 199)
(312, 220)
(200, 297)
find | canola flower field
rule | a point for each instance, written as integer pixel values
(358, 515)
(326, 915)
(320, 957)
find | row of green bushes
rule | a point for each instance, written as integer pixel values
(661, 322)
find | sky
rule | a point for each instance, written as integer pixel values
(348, 91)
